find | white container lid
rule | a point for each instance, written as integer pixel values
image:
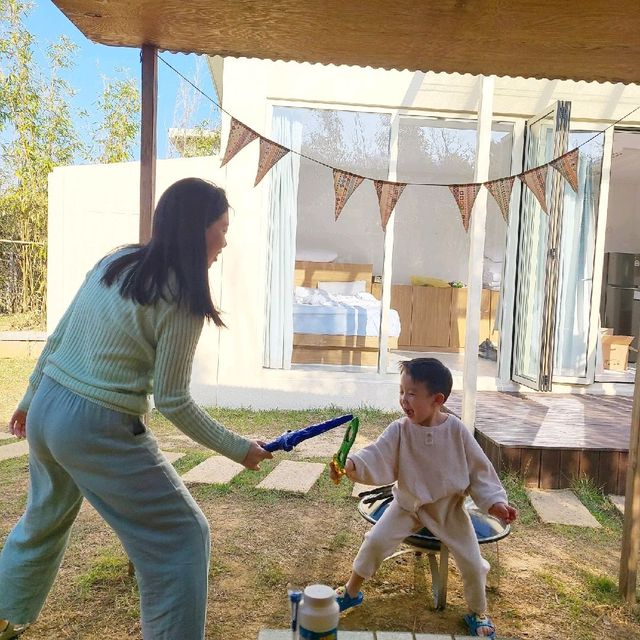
(320, 593)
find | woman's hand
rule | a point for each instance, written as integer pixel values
(256, 455)
(18, 424)
(504, 512)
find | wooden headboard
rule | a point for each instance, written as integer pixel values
(308, 274)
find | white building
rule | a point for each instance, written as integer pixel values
(399, 126)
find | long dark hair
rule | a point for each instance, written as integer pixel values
(176, 253)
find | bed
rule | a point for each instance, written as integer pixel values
(336, 319)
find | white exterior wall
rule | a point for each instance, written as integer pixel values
(93, 209)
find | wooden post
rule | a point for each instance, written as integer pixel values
(631, 529)
(476, 256)
(148, 126)
(148, 140)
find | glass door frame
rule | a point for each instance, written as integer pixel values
(561, 111)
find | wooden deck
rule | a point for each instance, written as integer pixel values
(552, 439)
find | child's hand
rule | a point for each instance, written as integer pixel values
(350, 469)
(504, 512)
(333, 474)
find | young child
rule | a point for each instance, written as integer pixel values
(435, 462)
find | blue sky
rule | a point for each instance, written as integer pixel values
(94, 61)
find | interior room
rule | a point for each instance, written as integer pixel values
(620, 295)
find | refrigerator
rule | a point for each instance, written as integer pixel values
(620, 309)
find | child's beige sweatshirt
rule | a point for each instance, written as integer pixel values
(429, 463)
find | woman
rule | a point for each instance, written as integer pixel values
(131, 330)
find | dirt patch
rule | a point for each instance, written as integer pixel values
(546, 582)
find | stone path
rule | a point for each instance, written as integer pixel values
(618, 502)
(558, 507)
(14, 450)
(561, 507)
(298, 477)
(214, 470)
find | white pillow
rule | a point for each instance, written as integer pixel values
(316, 255)
(344, 288)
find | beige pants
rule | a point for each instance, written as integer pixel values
(450, 523)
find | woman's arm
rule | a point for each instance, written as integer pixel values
(177, 334)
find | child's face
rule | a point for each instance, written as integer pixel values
(417, 402)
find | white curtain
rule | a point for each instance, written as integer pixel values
(281, 250)
(576, 272)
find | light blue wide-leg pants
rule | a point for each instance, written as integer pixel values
(78, 448)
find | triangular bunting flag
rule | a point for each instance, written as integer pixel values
(344, 184)
(239, 137)
(536, 180)
(501, 192)
(270, 153)
(567, 165)
(465, 195)
(388, 195)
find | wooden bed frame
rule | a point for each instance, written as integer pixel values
(310, 348)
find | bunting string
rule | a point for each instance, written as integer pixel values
(389, 192)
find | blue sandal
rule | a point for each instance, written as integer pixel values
(345, 601)
(476, 622)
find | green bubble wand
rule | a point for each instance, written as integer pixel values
(340, 458)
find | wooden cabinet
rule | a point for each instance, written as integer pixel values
(434, 318)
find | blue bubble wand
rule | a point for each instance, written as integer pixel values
(290, 439)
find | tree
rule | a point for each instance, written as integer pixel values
(119, 105)
(40, 130)
(188, 140)
(37, 135)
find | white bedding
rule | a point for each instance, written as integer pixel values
(320, 312)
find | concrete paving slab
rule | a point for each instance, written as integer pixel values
(394, 635)
(213, 470)
(433, 636)
(5, 435)
(172, 456)
(297, 477)
(13, 450)
(355, 635)
(274, 634)
(618, 503)
(561, 507)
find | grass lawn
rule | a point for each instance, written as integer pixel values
(547, 582)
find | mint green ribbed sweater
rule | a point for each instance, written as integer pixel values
(115, 352)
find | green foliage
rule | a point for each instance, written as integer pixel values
(39, 131)
(200, 140)
(119, 105)
(597, 502)
(514, 486)
(109, 567)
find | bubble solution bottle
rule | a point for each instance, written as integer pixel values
(318, 614)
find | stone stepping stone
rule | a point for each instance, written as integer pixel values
(618, 503)
(433, 636)
(213, 470)
(393, 635)
(356, 635)
(561, 507)
(5, 435)
(172, 456)
(14, 450)
(297, 477)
